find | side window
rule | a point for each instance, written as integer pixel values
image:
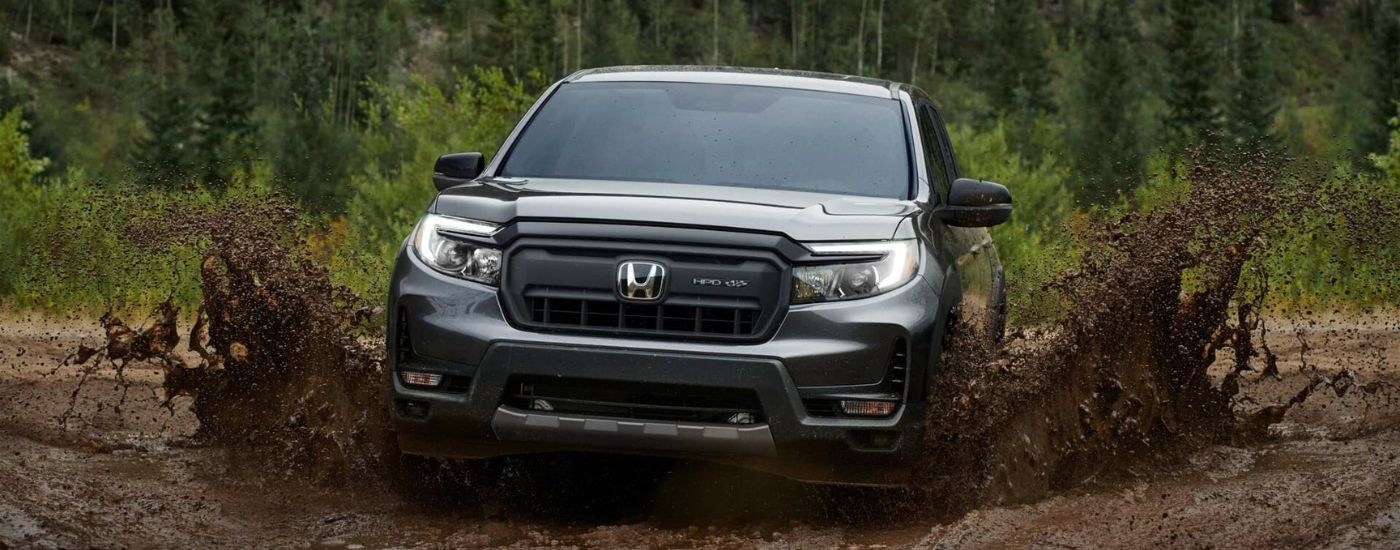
(933, 151)
(950, 157)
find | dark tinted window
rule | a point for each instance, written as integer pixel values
(933, 151)
(716, 134)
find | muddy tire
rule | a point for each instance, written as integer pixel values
(438, 482)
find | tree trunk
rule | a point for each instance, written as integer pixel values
(793, 24)
(918, 41)
(714, 32)
(564, 59)
(933, 54)
(578, 35)
(114, 26)
(860, 41)
(655, 24)
(880, 39)
(914, 64)
(467, 27)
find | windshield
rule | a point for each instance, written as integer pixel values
(717, 134)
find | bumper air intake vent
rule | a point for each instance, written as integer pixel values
(635, 400)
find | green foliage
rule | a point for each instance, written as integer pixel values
(1191, 68)
(166, 155)
(310, 154)
(1382, 88)
(17, 95)
(620, 34)
(1103, 101)
(61, 242)
(1014, 69)
(413, 126)
(20, 196)
(1389, 162)
(1032, 245)
(1253, 100)
(1344, 255)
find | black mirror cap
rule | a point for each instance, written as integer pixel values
(971, 192)
(457, 168)
(974, 216)
(976, 203)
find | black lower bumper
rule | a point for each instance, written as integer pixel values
(479, 423)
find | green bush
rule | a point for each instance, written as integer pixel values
(1033, 245)
(64, 241)
(1345, 255)
(21, 197)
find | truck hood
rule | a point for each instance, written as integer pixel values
(802, 216)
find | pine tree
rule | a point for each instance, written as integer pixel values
(1014, 66)
(228, 129)
(1384, 89)
(223, 61)
(1105, 132)
(1191, 68)
(521, 36)
(1253, 98)
(619, 36)
(167, 154)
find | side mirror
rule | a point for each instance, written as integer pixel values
(975, 203)
(457, 168)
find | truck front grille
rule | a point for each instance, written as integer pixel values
(657, 318)
(709, 293)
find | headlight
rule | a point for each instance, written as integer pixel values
(436, 245)
(822, 283)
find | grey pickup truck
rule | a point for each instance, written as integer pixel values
(745, 266)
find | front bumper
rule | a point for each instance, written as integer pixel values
(821, 351)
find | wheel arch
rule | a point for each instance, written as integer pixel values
(949, 295)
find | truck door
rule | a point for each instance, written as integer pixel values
(969, 248)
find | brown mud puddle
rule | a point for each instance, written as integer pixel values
(1326, 476)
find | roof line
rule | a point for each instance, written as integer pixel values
(872, 86)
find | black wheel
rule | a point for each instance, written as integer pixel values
(998, 328)
(438, 482)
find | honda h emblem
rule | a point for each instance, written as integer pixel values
(641, 281)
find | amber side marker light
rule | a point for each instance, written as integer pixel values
(867, 408)
(422, 379)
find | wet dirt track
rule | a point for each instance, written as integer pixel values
(1328, 475)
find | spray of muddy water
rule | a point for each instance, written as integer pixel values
(1122, 377)
(290, 370)
(289, 374)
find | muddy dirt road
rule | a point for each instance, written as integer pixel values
(125, 473)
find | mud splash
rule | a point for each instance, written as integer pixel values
(1122, 379)
(288, 374)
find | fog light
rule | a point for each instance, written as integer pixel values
(867, 408)
(541, 405)
(426, 379)
(740, 418)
